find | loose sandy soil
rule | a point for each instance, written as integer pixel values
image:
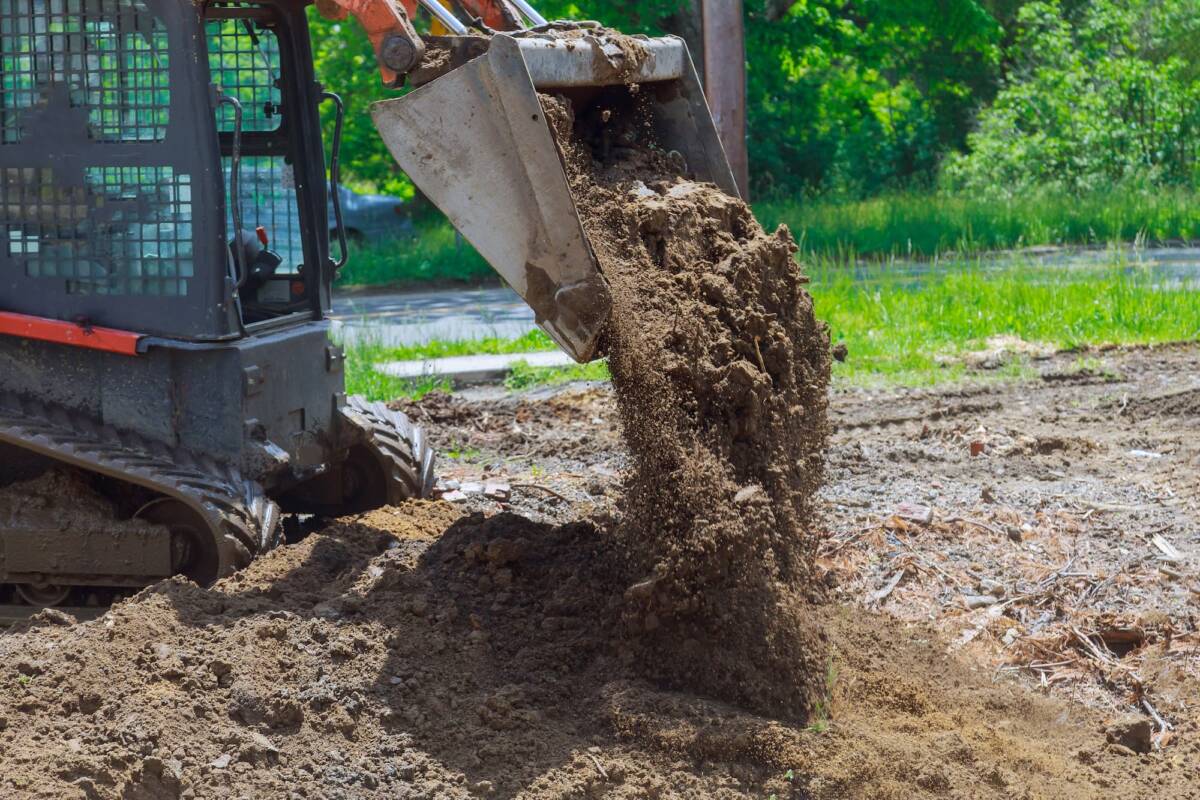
(439, 650)
(720, 373)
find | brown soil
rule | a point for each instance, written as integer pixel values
(721, 374)
(36, 505)
(38, 502)
(423, 653)
(619, 55)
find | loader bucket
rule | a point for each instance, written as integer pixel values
(476, 143)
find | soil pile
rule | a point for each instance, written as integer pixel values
(419, 652)
(721, 374)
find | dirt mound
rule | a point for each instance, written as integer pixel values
(721, 374)
(421, 653)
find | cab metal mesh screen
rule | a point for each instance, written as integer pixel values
(108, 58)
(268, 193)
(94, 74)
(245, 62)
(126, 231)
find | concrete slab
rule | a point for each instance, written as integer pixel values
(472, 369)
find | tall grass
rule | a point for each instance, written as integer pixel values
(899, 225)
(928, 224)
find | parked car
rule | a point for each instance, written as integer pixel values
(371, 217)
(268, 198)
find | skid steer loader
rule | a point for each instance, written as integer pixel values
(166, 264)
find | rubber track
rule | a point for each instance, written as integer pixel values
(243, 521)
(394, 437)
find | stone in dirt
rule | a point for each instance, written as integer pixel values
(1131, 730)
(915, 512)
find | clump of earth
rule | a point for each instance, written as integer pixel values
(721, 374)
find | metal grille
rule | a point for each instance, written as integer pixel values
(126, 231)
(109, 57)
(245, 64)
(268, 193)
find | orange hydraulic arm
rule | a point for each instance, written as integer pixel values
(498, 15)
(398, 48)
(388, 24)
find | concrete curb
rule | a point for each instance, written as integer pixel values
(472, 369)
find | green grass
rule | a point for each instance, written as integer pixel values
(899, 330)
(435, 254)
(524, 376)
(927, 224)
(533, 342)
(362, 378)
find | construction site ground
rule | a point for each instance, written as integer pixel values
(1013, 594)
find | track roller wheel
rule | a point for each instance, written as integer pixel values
(43, 595)
(194, 552)
(386, 461)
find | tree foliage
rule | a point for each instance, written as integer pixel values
(849, 95)
(1098, 93)
(864, 95)
(859, 96)
(346, 64)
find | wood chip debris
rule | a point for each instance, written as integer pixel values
(881, 594)
(1166, 548)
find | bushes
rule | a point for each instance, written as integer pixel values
(1099, 93)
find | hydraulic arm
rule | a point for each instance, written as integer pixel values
(398, 47)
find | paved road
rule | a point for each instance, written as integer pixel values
(416, 317)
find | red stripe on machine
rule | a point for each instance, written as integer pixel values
(69, 333)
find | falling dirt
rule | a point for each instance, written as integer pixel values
(721, 375)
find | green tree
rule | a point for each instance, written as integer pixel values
(1098, 93)
(345, 63)
(850, 95)
(860, 96)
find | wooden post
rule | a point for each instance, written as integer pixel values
(725, 81)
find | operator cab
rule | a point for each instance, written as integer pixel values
(124, 129)
(253, 61)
